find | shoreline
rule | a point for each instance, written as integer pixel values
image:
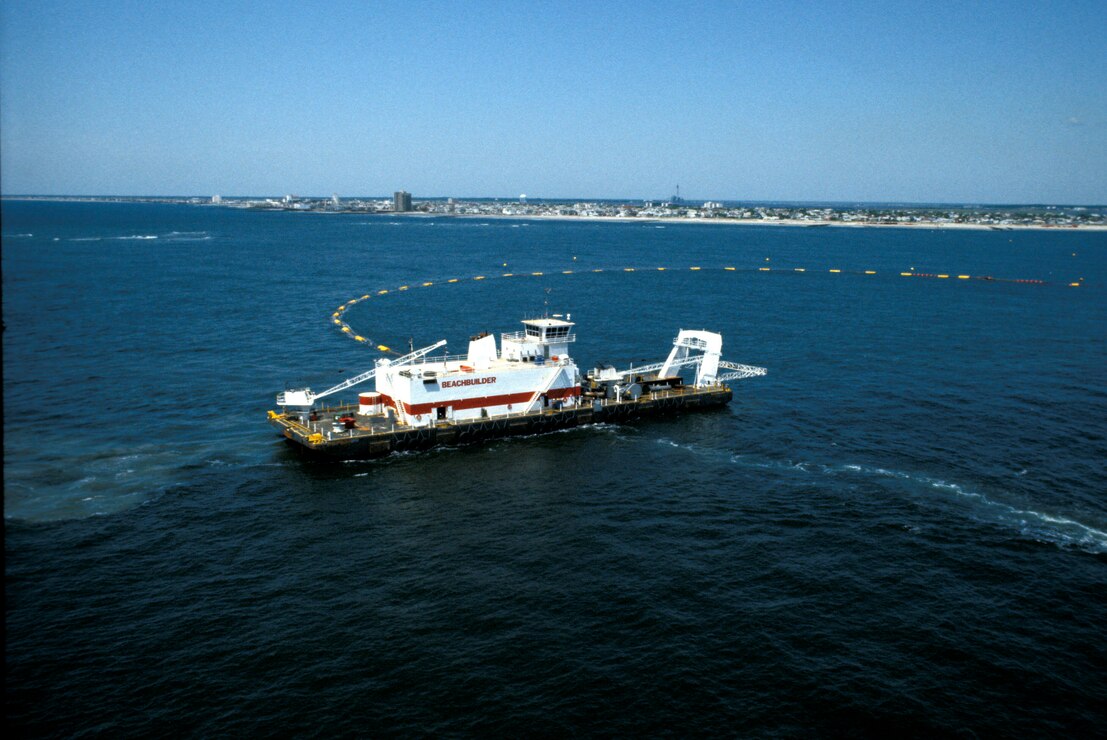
(652, 220)
(793, 223)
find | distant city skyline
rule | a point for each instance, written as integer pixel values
(754, 101)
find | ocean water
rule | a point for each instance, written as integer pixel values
(901, 529)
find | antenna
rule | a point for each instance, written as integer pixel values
(546, 304)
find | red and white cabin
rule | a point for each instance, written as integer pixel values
(532, 370)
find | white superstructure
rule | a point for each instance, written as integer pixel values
(532, 369)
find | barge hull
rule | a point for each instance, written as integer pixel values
(372, 441)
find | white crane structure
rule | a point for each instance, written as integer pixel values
(699, 349)
(304, 397)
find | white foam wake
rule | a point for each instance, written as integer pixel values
(1042, 526)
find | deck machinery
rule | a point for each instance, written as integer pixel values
(529, 385)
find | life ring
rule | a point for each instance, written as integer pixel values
(418, 417)
(509, 407)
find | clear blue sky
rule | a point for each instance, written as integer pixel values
(884, 101)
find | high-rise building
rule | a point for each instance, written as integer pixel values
(401, 201)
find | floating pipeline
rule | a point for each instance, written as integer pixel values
(345, 328)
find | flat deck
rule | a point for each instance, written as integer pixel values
(380, 434)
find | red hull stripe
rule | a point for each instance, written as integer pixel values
(461, 404)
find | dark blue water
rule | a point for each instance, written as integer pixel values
(901, 529)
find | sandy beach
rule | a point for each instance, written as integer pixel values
(795, 223)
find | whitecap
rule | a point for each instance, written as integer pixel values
(1056, 529)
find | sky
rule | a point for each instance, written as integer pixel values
(966, 102)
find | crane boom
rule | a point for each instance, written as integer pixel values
(655, 366)
(738, 371)
(305, 397)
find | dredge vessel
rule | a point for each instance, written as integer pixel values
(530, 385)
